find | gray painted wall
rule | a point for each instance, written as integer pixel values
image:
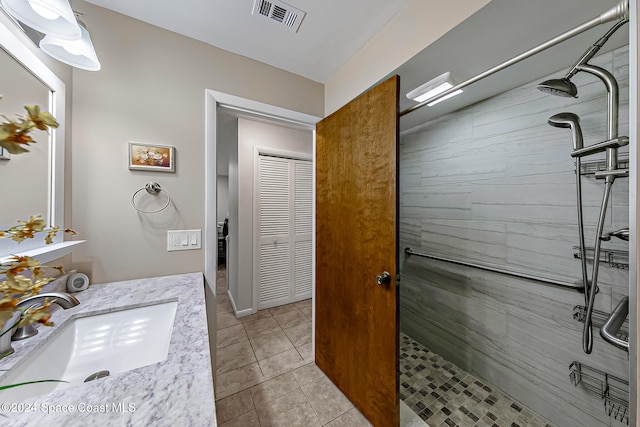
(493, 183)
(223, 197)
(253, 134)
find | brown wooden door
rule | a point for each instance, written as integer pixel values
(356, 228)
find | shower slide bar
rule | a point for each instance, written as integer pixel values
(575, 286)
(620, 11)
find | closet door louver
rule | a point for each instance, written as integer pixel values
(285, 209)
(302, 229)
(274, 263)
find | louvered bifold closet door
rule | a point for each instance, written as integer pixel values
(274, 251)
(302, 229)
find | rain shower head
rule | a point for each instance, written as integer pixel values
(559, 87)
(568, 120)
(564, 87)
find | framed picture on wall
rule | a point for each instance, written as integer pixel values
(3, 154)
(152, 157)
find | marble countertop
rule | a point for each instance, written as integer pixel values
(176, 391)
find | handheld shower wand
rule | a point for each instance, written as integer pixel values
(572, 121)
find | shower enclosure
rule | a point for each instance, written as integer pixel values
(514, 253)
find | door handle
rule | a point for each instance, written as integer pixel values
(384, 278)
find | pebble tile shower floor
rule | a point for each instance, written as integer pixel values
(444, 395)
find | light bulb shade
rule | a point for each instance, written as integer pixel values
(51, 17)
(434, 87)
(77, 53)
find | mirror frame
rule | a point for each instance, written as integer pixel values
(16, 44)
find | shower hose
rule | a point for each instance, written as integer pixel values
(587, 335)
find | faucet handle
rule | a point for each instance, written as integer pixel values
(62, 299)
(24, 333)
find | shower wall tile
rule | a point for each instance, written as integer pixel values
(411, 173)
(546, 249)
(411, 231)
(444, 201)
(452, 237)
(525, 154)
(545, 341)
(449, 128)
(495, 184)
(620, 207)
(457, 162)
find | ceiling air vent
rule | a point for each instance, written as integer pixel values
(279, 12)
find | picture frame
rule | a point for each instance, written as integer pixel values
(152, 157)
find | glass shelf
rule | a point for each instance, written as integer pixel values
(46, 253)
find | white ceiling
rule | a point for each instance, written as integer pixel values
(330, 34)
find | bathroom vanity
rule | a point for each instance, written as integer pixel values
(175, 391)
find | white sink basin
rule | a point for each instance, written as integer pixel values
(116, 342)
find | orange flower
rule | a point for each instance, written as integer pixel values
(37, 315)
(13, 138)
(17, 286)
(14, 135)
(26, 229)
(42, 120)
(25, 276)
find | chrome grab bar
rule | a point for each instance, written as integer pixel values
(576, 286)
(612, 326)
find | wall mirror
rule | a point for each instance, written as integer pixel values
(33, 183)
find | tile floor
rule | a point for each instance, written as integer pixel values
(444, 395)
(266, 375)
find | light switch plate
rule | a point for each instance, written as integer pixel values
(184, 240)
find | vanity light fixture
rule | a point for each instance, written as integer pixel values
(77, 53)
(434, 87)
(52, 17)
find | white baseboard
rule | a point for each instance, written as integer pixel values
(241, 313)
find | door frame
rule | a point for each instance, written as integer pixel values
(214, 99)
(257, 152)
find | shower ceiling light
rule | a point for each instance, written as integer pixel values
(77, 53)
(52, 17)
(434, 87)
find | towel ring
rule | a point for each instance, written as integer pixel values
(154, 189)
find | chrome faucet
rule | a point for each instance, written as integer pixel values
(62, 299)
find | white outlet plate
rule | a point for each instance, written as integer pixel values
(184, 240)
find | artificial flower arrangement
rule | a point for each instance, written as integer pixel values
(14, 133)
(16, 285)
(24, 276)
